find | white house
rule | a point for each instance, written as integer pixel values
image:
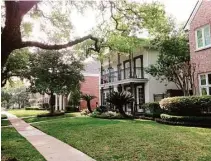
(125, 72)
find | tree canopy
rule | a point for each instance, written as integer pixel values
(17, 65)
(173, 62)
(54, 72)
(124, 16)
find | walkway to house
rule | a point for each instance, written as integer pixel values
(51, 148)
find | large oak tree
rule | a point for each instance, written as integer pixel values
(126, 17)
(11, 37)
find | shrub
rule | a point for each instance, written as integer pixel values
(85, 112)
(51, 114)
(33, 108)
(152, 109)
(119, 99)
(107, 115)
(186, 118)
(88, 99)
(186, 106)
(3, 116)
(46, 106)
(71, 109)
(102, 109)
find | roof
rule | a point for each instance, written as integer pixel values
(91, 67)
(192, 15)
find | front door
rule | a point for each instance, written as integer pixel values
(139, 97)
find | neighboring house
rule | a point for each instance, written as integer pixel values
(89, 86)
(199, 29)
(125, 72)
(91, 83)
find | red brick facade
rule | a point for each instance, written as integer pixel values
(201, 58)
(90, 86)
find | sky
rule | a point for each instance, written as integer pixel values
(179, 9)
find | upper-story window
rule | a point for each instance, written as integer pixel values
(205, 84)
(203, 38)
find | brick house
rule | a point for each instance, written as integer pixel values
(199, 29)
(91, 83)
(89, 86)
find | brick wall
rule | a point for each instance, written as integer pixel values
(202, 58)
(90, 86)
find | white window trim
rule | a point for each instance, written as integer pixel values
(203, 38)
(204, 86)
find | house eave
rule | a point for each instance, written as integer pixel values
(192, 15)
(124, 81)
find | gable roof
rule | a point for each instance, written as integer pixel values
(193, 13)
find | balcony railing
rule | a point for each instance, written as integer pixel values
(122, 74)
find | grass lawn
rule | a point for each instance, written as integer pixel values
(5, 122)
(37, 119)
(26, 113)
(138, 140)
(15, 146)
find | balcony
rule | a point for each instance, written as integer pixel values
(122, 76)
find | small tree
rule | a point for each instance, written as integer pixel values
(5, 98)
(88, 99)
(119, 99)
(20, 96)
(74, 97)
(51, 73)
(173, 63)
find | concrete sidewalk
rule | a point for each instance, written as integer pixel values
(51, 148)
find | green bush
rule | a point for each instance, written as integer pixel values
(102, 109)
(186, 106)
(152, 109)
(85, 112)
(51, 114)
(71, 109)
(106, 115)
(33, 108)
(3, 116)
(46, 105)
(192, 119)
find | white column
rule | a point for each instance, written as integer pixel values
(56, 104)
(60, 102)
(64, 103)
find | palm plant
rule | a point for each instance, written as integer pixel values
(119, 99)
(88, 99)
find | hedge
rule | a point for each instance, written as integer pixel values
(178, 123)
(187, 105)
(106, 115)
(71, 109)
(153, 109)
(3, 116)
(33, 108)
(102, 109)
(51, 115)
(196, 119)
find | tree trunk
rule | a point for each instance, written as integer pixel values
(89, 106)
(51, 103)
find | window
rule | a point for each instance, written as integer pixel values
(205, 84)
(203, 38)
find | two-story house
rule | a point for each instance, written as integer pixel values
(125, 72)
(199, 29)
